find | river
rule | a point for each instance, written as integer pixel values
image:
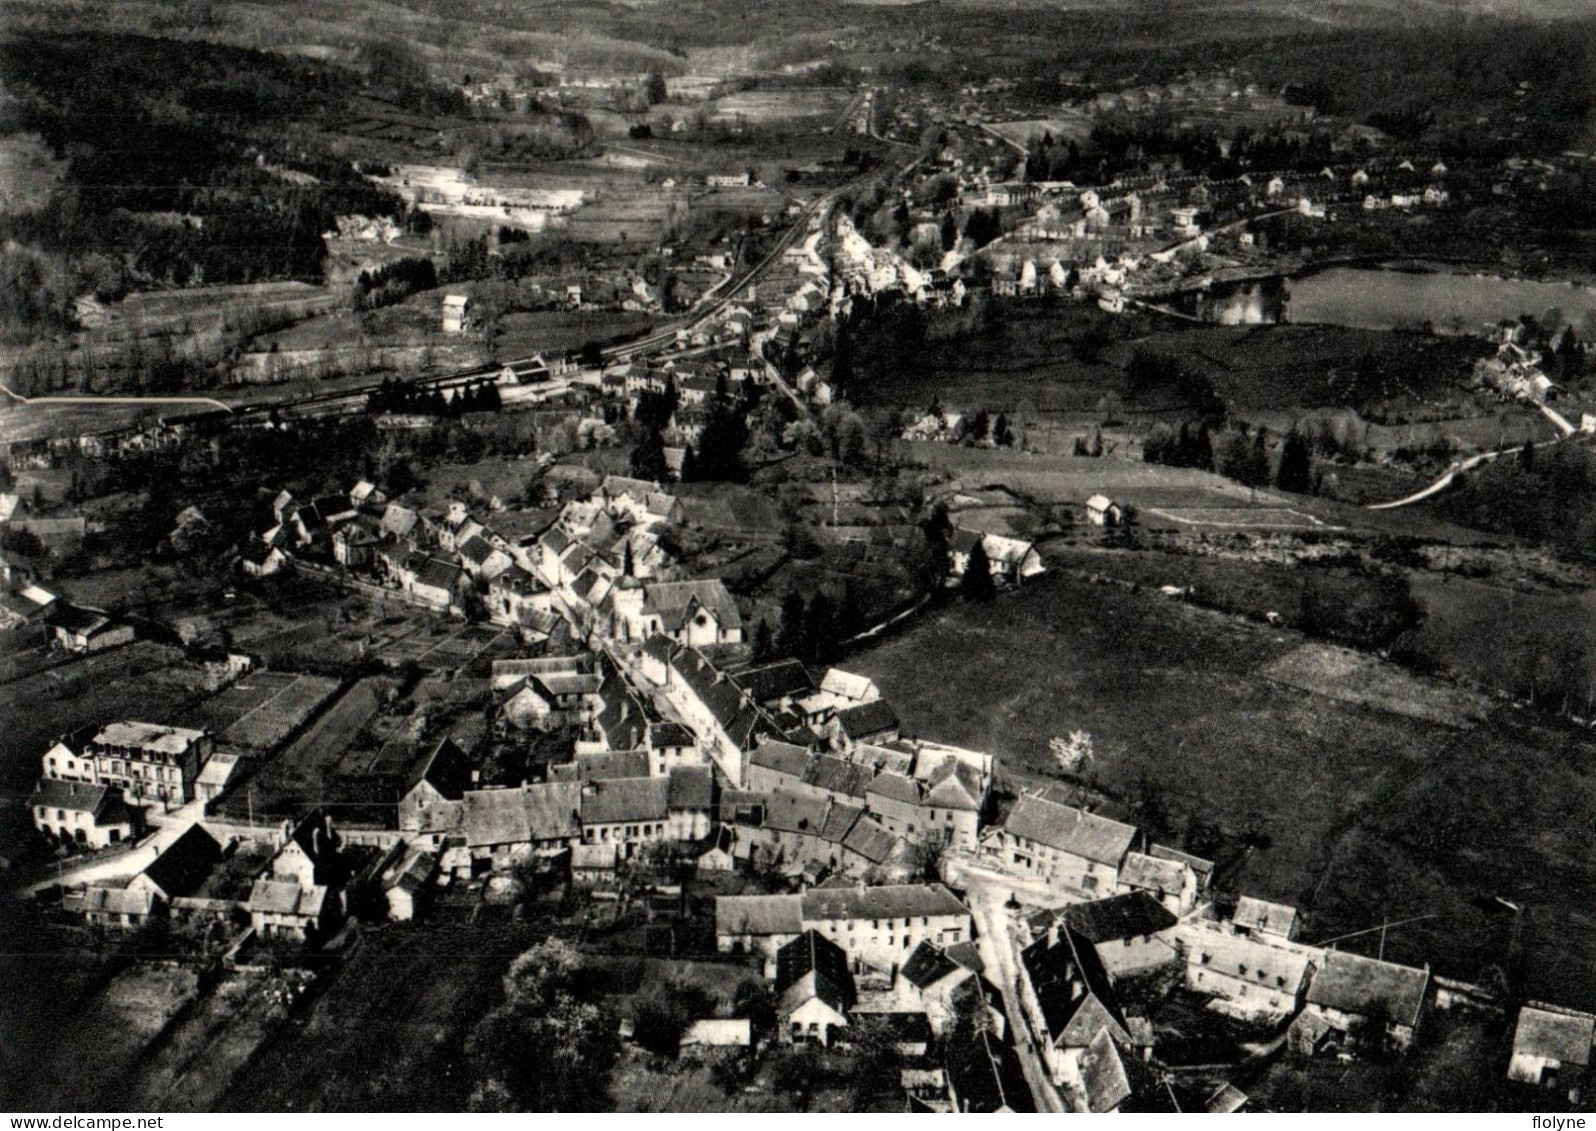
(1380, 299)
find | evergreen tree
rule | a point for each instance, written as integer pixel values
(724, 437)
(948, 232)
(764, 641)
(1203, 449)
(1295, 473)
(1001, 434)
(689, 472)
(977, 584)
(821, 634)
(1258, 461)
(939, 536)
(648, 457)
(792, 632)
(1526, 456)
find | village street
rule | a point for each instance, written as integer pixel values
(987, 893)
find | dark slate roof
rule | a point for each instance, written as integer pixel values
(1127, 916)
(733, 711)
(782, 757)
(927, 965)
(868, 719)
(814, 966)
(446, 769)
(838, 776)
(438, 574)
(674, 601)
(667, 735)
(775, 681)
(954, 785)
(1067, 976)
(869, 839)
(611, 764)
(691, 787)
(985, 1075)
(80, 797)
(895, 787)
(1070, 830)
(795, 813)
(1366, 987)
(182, 866)
(840, 818)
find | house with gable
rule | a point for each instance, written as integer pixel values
(1063, 845)
(1068, 997)
(434, 796)
(814, 989)
(1352, 999)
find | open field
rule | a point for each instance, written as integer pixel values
(1361, 679)
(1239, 518)
(95, 1044)
(267, 707)
(389, 1032)
(201, 1055)
(1353, 812)
(560, 331)
(299, 776)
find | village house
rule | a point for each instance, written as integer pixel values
(181, 868)
(1103, 511)
(284, 909)
(1263, 919)
(1068, 998)
(729, 724)
(1065, 846)
(1552, 1049)
(407, 881)
(309, 852)
(83, 813)
(757, 924)
(433, 799)
(117, 908)
(881, 926)
(1250, 977)
(694, 613)
(626, 812)
(1173, 878)
(1132, 933)
(503, 826)
(932, 976)
(1353, 999)
(81, 629)
(814, 989)
(983, 1076)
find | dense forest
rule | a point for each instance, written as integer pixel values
(174, 169)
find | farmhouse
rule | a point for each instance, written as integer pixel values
(814, 989)
(1251, 977)
(1103, 511)
(1132, 933)
(1265, 920)
(1175, 883)
(1352, 998)
(78, 628)
(1063, 845)
(284, 909)
(881, 926)
(1067, 994)
(1552, 1049)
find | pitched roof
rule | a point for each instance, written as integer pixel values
(1203, 868)
(796, 813)
(691, 787)
(1554, 1035)
(1072, 988)
(543, 812)
(894, 787)
(847, 685)
(438, 574)
(1132, 915)
(625, 799)
(985, 1074)
(774, 681)
(890, 901)
(758, 915)
(148, 736)
(446, 769)
(869, 839)
(1103, 1076)
(182, 866)
(1365, 987)
(927, 965)
(668, 735)
(285, 897)
(1261, 915)
(868, 719)
(782, 757)
(610, 764)
(812, 966)
(80, 797)
(1149, 873)
(117, 901)
(837, 775)
(954, 785)
(674, 602)
(1070, 830)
